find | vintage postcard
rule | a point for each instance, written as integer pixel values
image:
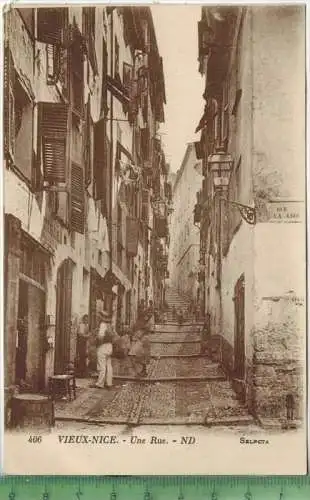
(154, 239)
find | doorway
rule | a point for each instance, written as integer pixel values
(22, 333)
(63, 316)
(30, 345)
(239, 334)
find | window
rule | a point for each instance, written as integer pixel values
(32, 263)
(116, 58)
(89, 26)
(51, 24)
(18, 120)
(77, 65)
(52, 141)
(52, 164)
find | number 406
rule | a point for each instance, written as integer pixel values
(35, 439)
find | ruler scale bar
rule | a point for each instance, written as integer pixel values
(155, 487)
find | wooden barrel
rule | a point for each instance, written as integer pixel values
(32, 411)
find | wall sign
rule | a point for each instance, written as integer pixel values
(286, 211)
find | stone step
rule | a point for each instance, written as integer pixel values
(194, 420)
(152, 380)
(165, 341)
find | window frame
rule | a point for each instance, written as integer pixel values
(12, 135)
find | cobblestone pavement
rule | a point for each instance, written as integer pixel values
(182, 387)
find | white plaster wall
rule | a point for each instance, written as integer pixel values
(272, 140)
(238, 261)
(279, 100)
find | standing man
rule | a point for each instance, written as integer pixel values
(104, 351)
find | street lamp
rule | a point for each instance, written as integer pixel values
(221, 165)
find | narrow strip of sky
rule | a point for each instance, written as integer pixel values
(177, 37)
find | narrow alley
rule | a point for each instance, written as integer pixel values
(183, 386)
(153, 184)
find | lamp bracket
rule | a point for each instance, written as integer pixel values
(247, 213)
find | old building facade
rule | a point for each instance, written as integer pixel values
(184, 243)
(84, 176)
(252, 209)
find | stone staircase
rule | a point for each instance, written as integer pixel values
(174, 298)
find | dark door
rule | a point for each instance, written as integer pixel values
(120, 299)
(239, 329)
(22, 333)
(63, 316)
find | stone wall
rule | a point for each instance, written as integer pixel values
(278, 357)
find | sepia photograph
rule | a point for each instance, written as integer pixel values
(154, 236)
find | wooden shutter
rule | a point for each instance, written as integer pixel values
(145, 143)
(145, 204)
(87, 144)
(132, 234)
(50, 25)
(77, 199)
(198, 150)
(52, 140)
(100, 160)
